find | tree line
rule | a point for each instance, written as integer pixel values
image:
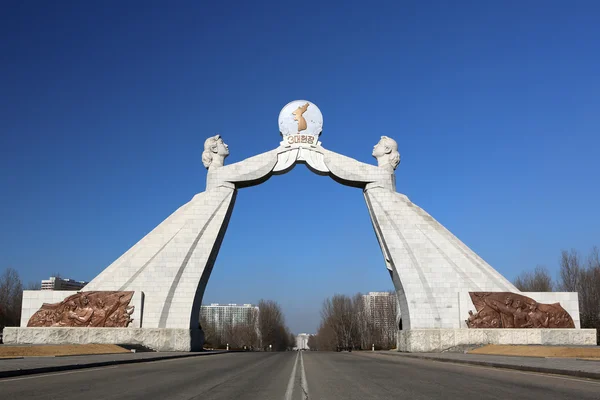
(270, 320)
(11, 297)
(576, 274)
(265, 329)
(357, 322)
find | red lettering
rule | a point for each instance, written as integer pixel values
(311, 139)
(290, 140)
(303, 139)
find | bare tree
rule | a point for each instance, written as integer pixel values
(589, 292)
(584, 279)
(212, 338)
(313, 342)
(340, 313)
(570, 271)
(11, 297)
(326, 337)
(271, 322)
(537, 281)
(248, 331)
(364, 322)
(377, 320)
(33, 285)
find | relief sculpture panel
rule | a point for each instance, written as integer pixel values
(86, 309)
(512, 310)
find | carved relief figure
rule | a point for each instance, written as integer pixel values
(83, 312)
(86, 309)
(516, 311)
(298, 117)
(63, 315)
(538, 318)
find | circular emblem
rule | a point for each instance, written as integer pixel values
(300, 122)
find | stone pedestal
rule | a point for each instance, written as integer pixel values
(155, 338)
(437, 340)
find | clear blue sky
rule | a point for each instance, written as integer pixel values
(104, 109)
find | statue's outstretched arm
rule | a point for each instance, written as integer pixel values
(350, 170)
(251, 171)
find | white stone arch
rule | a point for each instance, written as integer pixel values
(172, 264)
(433, 272)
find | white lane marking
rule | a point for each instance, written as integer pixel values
(56, 373)
(290, 387)
(303, 376)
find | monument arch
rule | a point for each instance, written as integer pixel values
(422, 257)
(434, 274)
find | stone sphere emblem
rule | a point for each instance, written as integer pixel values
(300, 122)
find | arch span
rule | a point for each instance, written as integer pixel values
(171, 265)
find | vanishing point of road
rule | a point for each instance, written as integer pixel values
(297, 375)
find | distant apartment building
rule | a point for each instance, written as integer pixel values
(302, 341)
(56, 283)
(219, 315)
(382, 310)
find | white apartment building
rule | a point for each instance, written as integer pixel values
(382, 309)
(221, 314)
(56, 283)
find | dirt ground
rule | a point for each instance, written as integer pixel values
(540, 351)
(59, 350)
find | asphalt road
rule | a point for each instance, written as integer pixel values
(293, 375)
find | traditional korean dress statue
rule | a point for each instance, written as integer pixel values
(173, 262)
(425, 260)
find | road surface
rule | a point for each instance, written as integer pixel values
(297, 375)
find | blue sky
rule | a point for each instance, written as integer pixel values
(104, 109)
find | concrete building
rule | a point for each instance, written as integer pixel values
(56, 283)
(235, 314)
(381, 308)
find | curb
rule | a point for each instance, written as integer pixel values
(57, 368)
(543, 370)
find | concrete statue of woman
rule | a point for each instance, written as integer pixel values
(172, 263)
(428, 264)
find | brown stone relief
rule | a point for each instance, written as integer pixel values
(86, 309)
(512, 310)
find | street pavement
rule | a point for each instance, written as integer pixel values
(297, 375)
(30, 365)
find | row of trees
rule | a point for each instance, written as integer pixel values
(11, 297)
(263, 330)
(576, 274)
(357, 322)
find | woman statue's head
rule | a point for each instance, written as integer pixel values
(214, 152)
(386, 152)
